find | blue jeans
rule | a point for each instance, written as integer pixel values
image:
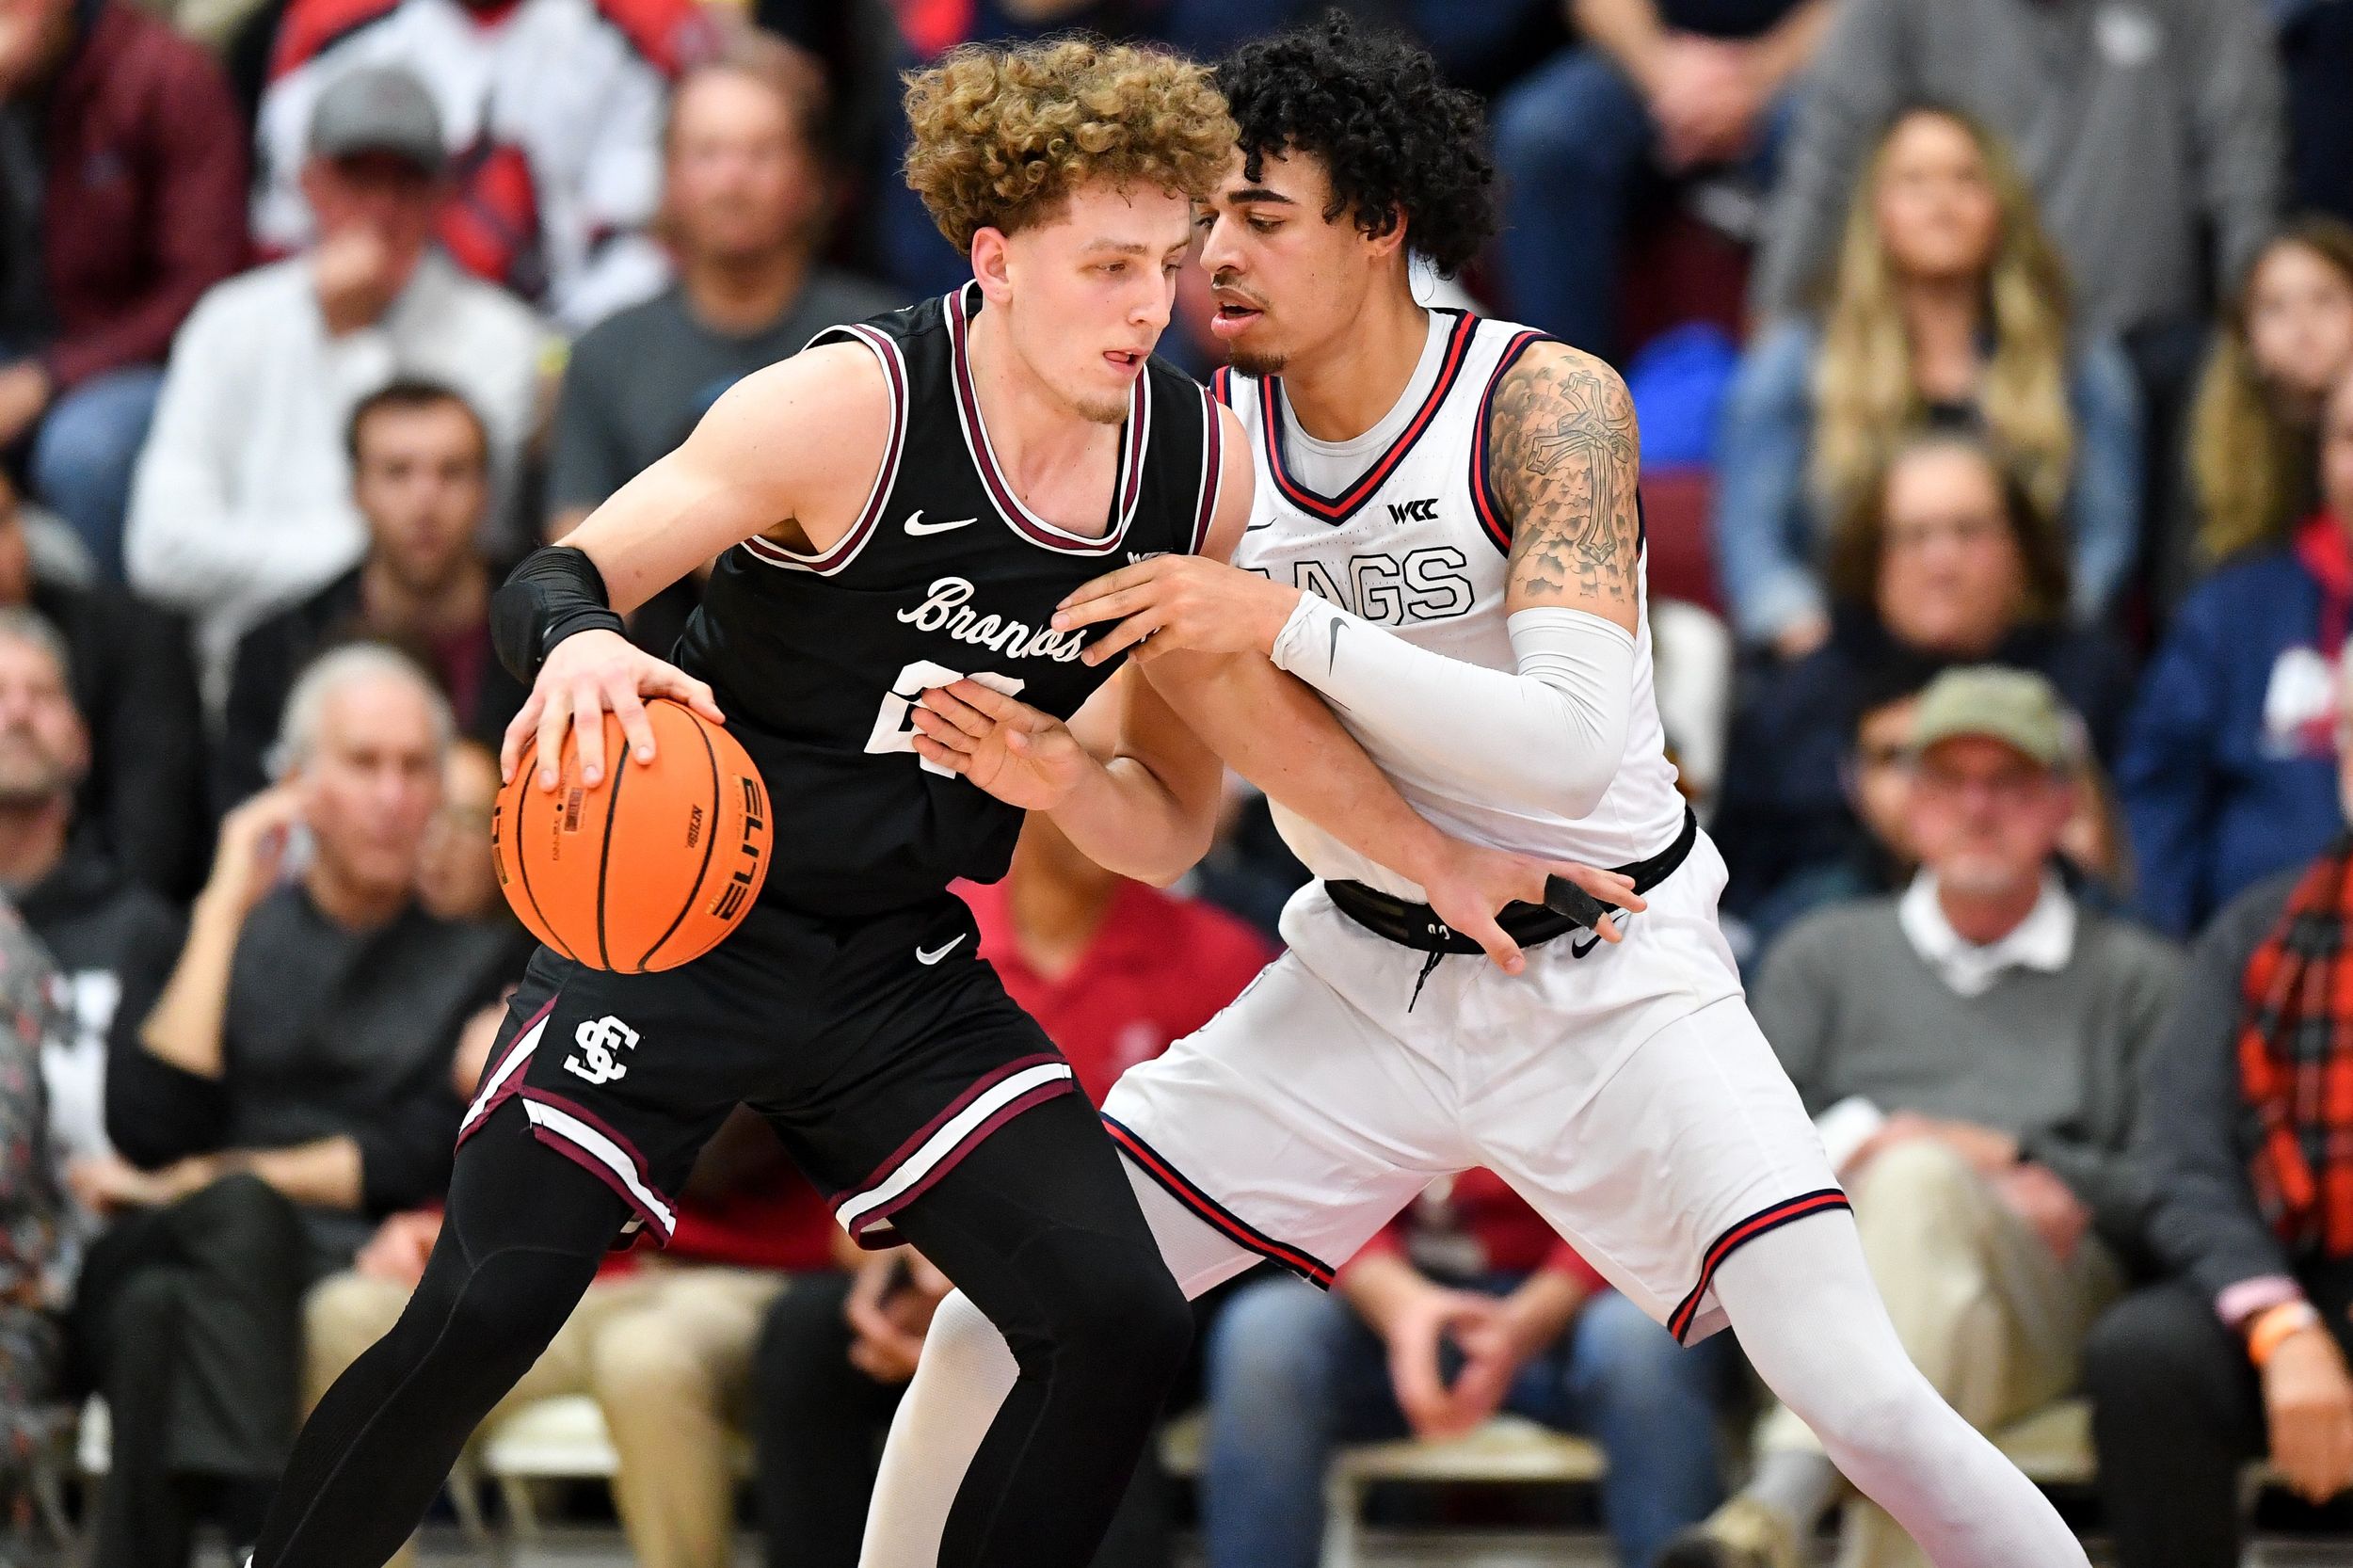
(84, 452)
(1293, 1372)
(1571, 139)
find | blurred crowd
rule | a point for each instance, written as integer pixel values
(1995, 363)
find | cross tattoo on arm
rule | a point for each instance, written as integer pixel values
(1565, 456)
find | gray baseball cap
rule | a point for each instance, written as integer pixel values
(377, 108)
(2017, 708)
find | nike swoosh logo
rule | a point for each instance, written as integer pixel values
(917, 526)
(1254, 527)
(1332, 654)
(938, 952)
(1579, 949)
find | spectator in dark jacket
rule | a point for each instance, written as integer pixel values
(419, 468)
(113, 939)
(2241, 1350)
(125, 174)
(290, 1087)
(2228, 772)
(1948, 561)
(134, 681)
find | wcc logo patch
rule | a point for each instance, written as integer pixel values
(599, 1041)
(1414, 511)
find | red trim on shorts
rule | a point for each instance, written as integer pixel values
(1235, 1228)
(916, 1140)
(873, 1231)
(648, 1225)
(1739, 1235)
(507, 1091)
(566, 1147)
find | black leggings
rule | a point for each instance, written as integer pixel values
(1037, 1225)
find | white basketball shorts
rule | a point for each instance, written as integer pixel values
(1622, 1088)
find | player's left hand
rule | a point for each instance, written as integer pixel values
(1188, 601)
(1468, 884)
(1021, 755)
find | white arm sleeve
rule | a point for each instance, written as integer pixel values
(1548, 736)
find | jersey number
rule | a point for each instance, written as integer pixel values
(894, 726)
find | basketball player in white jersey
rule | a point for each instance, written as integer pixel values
(1446, 543)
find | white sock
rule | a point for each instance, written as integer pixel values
(965, 1375)
(1801, 1301)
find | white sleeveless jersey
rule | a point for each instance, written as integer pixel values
(1416, 542)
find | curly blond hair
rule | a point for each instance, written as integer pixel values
(1002, 135)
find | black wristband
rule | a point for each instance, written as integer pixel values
(556, 592)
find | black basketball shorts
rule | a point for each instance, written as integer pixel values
(882, 1049)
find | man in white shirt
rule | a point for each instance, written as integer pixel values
(1967, 1049)
(242, 503)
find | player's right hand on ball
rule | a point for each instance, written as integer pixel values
(1468, 884)
(588, 675)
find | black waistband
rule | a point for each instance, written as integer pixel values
(1417, 925)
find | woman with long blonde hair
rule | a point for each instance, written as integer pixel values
(1948, 308)
(2285, 340)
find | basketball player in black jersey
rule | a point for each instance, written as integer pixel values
(895, 511)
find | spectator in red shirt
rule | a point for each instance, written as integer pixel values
(122, 188)
(1114, 972)
(1465, 1306)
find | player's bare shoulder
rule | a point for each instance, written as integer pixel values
(808, 434)
(1564, 457)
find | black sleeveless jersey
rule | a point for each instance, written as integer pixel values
(816, 660)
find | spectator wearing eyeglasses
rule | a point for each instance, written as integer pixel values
(1945, 559)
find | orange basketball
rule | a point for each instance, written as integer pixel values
(651, 868)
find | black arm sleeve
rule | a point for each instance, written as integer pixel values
(556, 592)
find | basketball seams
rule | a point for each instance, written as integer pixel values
(604, 853)
(644, 860)
(547, 931)
(710, 840)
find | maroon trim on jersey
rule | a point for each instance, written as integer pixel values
(1222, 385)
(1748, 1230)
(1483, 501)
(1212, 440)
(877, 499)
(1236, 1229)
(1126, 484)
(1338, 509)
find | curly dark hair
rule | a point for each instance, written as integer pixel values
(1396, 139)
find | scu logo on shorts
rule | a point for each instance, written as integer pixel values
(599, 1041)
